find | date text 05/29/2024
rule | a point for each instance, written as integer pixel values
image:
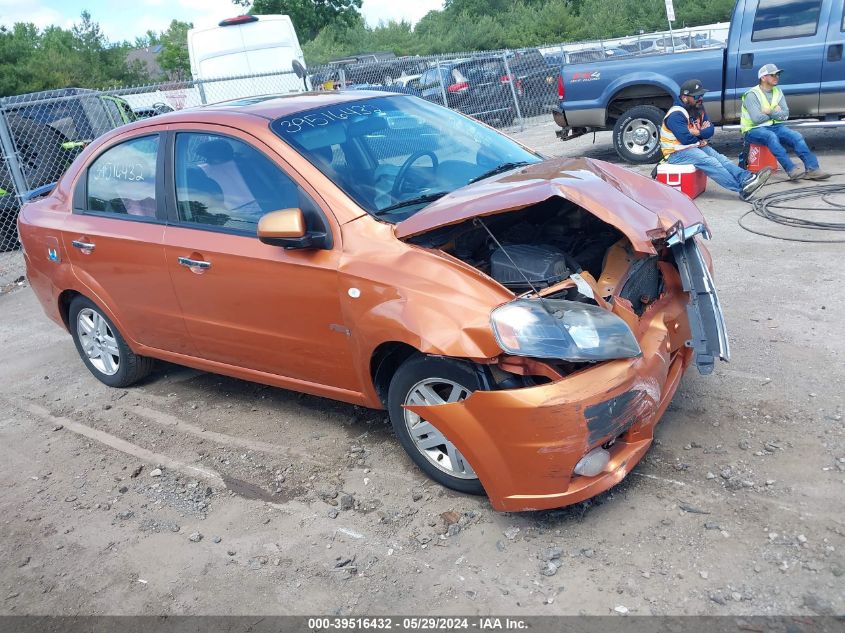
(421, 623)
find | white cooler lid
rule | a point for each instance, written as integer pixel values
(668, 168)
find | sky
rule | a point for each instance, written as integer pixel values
(128, 20)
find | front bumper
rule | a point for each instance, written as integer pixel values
(524, 443)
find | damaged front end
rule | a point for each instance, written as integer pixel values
(595, 342)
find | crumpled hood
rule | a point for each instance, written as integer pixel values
(632, 203)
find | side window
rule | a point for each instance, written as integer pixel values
(776, 19)
(122, 179)
(429, 77)
(221, 181)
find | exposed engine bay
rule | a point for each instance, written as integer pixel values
(542, 245)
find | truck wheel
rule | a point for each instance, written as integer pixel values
(636, 135)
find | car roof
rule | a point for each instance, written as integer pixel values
(270, 106)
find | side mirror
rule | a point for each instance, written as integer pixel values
(286, 228)
(300, 72)
(299, 69)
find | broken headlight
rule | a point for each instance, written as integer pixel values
(566, 330)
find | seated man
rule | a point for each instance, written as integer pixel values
(764, 111)
(683, 141)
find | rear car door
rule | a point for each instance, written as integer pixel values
(790, 34)
(832, 97)
(248, 304)
(114, 242)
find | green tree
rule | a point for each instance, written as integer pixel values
(33, 60)
(174, 58)
(309, 17)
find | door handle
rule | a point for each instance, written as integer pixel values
(85, 247)
(834, 53)
(746, 60)
(193, 264)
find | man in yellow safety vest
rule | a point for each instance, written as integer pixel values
(764, 112)
(683, 141)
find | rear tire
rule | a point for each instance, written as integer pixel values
(636, 135)
(102, 348)
(433, 381)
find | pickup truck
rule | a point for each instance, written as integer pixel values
(630, 95)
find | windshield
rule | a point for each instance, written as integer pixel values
(394, 155)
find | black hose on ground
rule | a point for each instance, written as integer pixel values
(770, 207)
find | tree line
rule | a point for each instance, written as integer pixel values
(33, 59)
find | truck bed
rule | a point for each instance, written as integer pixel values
(592, 88)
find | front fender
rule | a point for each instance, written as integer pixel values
(396, 292)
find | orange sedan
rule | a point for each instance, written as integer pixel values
(524, 321)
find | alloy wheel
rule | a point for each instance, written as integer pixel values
(98, 341)
(430, 442)
(640, 136)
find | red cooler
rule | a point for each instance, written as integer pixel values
(685, 178)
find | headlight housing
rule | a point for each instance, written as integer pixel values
(560, 329)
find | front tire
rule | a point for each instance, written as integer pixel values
(102, 348)
(636, 135)
(427, 380)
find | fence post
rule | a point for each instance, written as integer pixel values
(442, 87)
(11, 156)
(512, 83)
(201, 88)
(341, 74)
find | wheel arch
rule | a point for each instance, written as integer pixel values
(64, 300)
(384, 361)
(653, 93)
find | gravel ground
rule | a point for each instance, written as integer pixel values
(198, 494)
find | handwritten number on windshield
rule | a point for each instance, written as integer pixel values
(324, 117)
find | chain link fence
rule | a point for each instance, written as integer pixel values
(42, 133)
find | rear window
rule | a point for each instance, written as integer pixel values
(782, 19)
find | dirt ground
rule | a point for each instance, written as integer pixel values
(198, 494)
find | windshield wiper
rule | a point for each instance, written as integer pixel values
(428, 197)
(498, 170)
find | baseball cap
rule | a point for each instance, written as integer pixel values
(768, 69)
(692, 88)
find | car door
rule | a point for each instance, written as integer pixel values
(114, 242)
(786, 33)
(248, 304)
(432, 84)
(832, 96)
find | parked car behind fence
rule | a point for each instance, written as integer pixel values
(48, 129)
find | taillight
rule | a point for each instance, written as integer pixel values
(458, 87)
(560, 89)
(517, 84)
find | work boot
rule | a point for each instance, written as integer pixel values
(795, 173)
(817, 174)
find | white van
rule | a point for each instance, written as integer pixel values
(242, 46)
